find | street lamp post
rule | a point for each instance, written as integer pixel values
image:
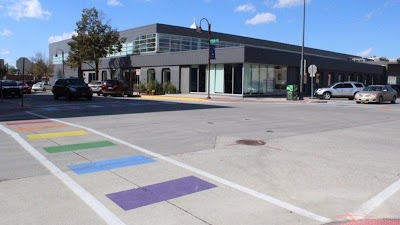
(199, 30)
(62, 55)
(302, 53)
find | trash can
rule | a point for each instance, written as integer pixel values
(291, 92)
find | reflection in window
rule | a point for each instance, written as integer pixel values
(264, 79)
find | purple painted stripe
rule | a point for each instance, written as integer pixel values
(135, 198)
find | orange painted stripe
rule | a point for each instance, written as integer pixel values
(41, 127)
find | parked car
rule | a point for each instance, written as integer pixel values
(39, 86)
(339, 90)
(96, 87)
(376, 93)
(116, 88)
(71, 88)
(10, 88)
(26, 89)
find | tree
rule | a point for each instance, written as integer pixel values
(383, 59)
(93, 41)
(41, 66)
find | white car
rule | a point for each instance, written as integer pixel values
(340, 90)
(39, 86)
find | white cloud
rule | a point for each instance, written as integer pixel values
(262, 18)
(245, 8)
(114, 3)
(289, 3)
(62, 37)
(369, 15)
(5, 52)
(365, 53)
(5, 32)
(27, 8)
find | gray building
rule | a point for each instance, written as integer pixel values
(242, 66)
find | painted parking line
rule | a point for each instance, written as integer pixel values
(221, 180)
(135, 198)
(41, 127)
(28, 122)
(57, 134)
(110, 164)
(76, 147)
(51, 109)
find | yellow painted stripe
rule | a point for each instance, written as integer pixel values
(41, 127)
(57, 134)
(175, 98)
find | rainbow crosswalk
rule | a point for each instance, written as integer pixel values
(36, 132)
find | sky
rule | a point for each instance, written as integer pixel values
(365, 28)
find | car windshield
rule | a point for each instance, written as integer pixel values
(75, 82)
(373, 88)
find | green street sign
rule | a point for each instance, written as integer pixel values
(213, 41)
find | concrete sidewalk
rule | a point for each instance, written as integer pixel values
(227, 98)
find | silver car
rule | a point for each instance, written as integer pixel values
(39, 86)
(96, 87)
(376, 93)
(346, 89)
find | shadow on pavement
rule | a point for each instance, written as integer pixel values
(44, 104)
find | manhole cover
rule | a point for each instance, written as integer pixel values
(250, 142)
(369, 222)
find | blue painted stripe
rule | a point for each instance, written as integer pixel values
(110, 164)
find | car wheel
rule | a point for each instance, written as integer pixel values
(358, 102)
(393, 100)
(44, 89)
(98, 93)
(55, 97)
(353, 97)
(326, 95)
(105, 95)
(69, 97)
(381, 99)
(89, 98)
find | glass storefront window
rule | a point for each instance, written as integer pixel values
(264, 79)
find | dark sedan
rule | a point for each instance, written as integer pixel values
(10, 88)
(71, 88)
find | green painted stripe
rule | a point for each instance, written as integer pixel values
(81, 146)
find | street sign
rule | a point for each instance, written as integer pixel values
(212, 51)
(312, 70)
(23, 64)
(213, 41)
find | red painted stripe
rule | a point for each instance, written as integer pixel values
(372, 222)
(28, 122)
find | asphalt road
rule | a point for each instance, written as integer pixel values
(172, 160)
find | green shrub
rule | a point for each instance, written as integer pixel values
(169, 88)
(154, 86)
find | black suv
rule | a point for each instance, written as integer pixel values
(116, 88)
(10, 88)
(71, 88)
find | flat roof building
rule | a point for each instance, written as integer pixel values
(242, 66)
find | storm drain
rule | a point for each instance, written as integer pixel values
(250, 142)
(369, 222)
